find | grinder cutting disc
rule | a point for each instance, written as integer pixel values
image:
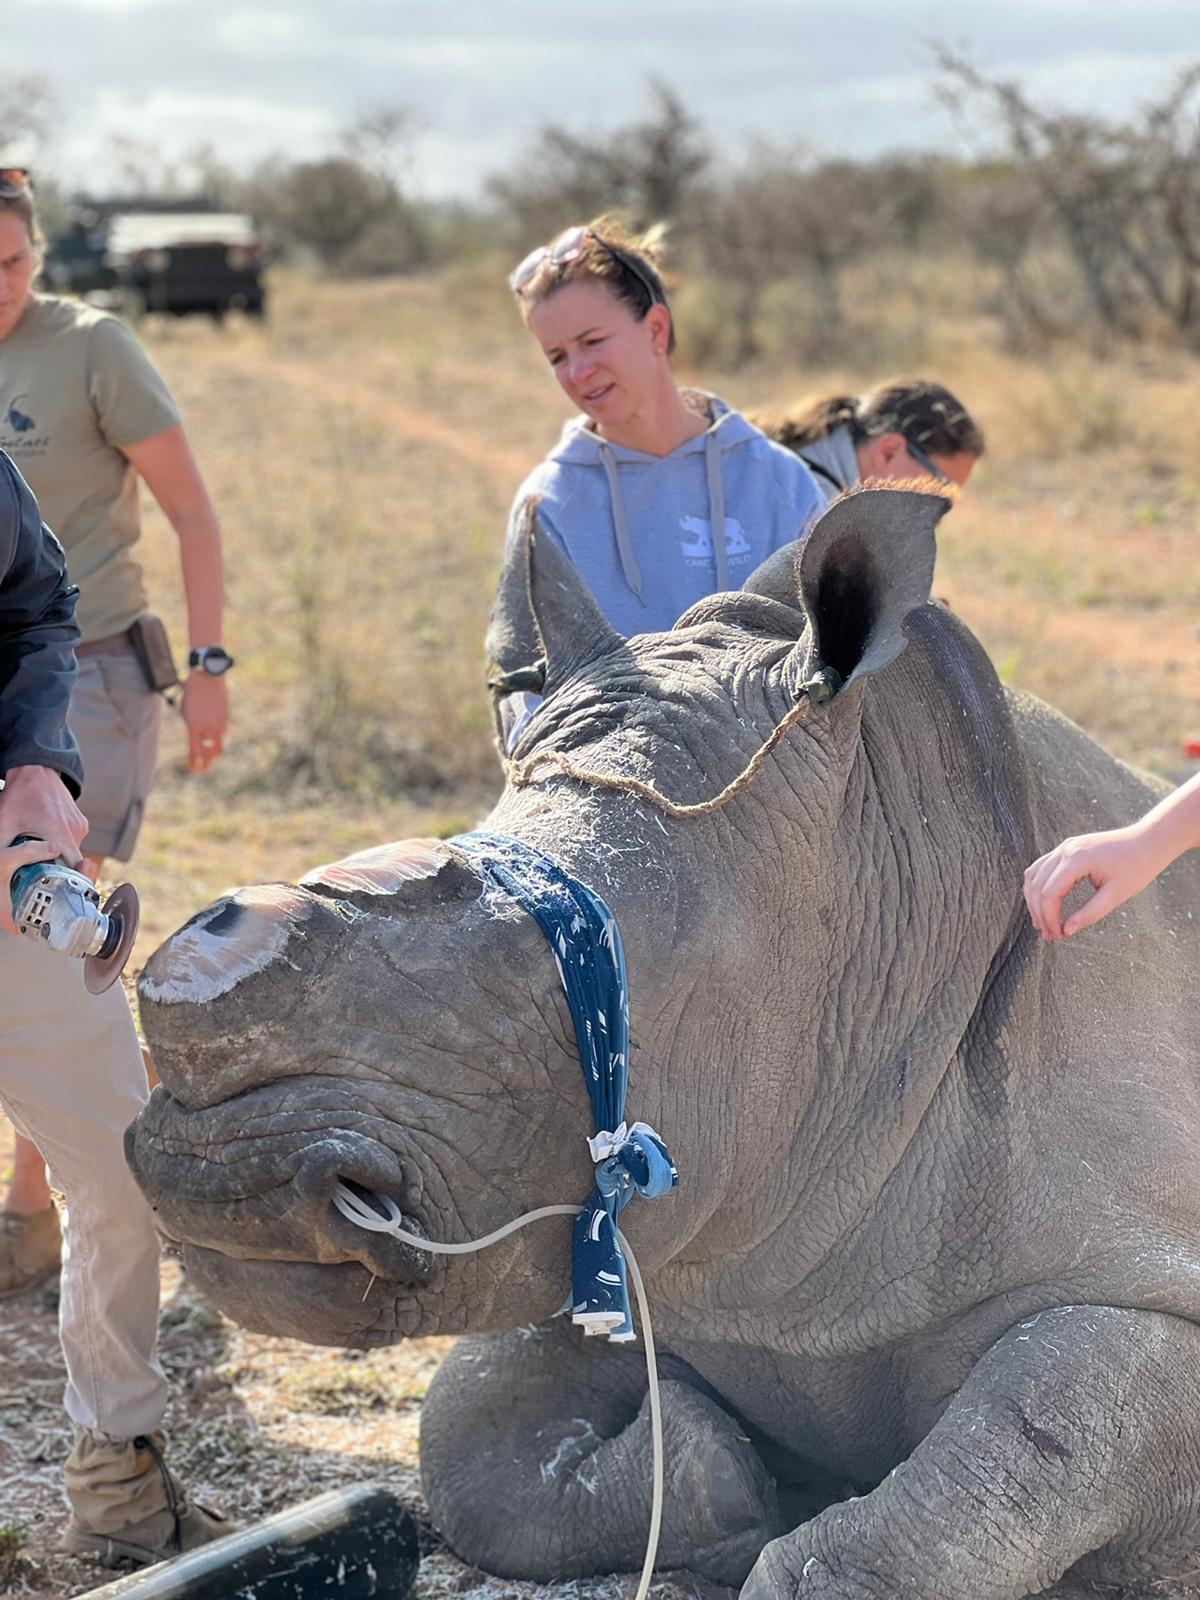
(123, 911)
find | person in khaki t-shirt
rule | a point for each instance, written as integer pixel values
(83, 414)
(72, 1078)
(77, 392)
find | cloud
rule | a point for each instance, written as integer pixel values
(253, 32)
(254, 127)
(254, 77)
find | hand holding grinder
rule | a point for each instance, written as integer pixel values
(54, 903)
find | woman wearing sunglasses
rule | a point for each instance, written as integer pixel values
(659, 496)
(909, 428)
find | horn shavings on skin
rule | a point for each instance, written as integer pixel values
(582, 1443)
(382, 869)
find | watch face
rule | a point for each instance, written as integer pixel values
(213, 659)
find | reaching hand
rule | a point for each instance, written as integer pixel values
(1118, 865)
(206, 712)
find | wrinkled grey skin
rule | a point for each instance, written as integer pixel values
(930, 1285)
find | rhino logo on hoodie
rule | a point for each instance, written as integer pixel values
(699, 548)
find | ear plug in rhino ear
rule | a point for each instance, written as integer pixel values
(822, 685)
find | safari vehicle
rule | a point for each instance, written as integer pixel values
(76, 260)
(182, 262)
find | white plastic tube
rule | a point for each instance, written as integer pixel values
(356, 1210)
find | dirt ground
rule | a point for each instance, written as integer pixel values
(256, 1425)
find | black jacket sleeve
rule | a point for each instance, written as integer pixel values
(38, 636)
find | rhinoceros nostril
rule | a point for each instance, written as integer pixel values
(365, 1223)
(341, 1157)
(368, 1197)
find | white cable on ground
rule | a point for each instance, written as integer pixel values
(356, 1210)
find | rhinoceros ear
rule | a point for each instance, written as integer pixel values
(867, 563)
(513, 644)
(778, 578)
(570, 624)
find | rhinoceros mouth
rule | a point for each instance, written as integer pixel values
(338, 1243)
(342, 1304)
(271, 1197)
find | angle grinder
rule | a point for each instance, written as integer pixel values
(54, 903)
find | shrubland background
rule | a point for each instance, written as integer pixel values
(364, 444)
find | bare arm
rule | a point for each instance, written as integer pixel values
(169, 468)
(1118, 864)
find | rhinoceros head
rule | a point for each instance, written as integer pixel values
(395, 1022)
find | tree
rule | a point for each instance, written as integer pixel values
(27, 108)
(1123, 199)
(779, 214)
(138, 166)
(646, 170)
(382, 139)
(325, 205)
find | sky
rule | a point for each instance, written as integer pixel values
(482, 75)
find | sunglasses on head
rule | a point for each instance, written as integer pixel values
(567, 247)
(13, 181)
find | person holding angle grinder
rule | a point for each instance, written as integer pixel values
(72, 1079)
(83, 414)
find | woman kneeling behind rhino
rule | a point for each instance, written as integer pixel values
(906, 429)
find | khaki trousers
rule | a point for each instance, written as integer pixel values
(72, 1079)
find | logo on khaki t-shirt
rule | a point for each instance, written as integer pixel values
(15, 438)
(75, 390)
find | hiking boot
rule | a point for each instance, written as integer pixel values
(30, 1249)
(128, 1509)
(154, 1538)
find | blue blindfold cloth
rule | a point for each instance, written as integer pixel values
(586, 943)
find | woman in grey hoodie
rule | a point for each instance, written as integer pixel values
(909, 428)
(660, 496)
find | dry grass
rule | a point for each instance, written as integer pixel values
(363, 448)
(1072, 555)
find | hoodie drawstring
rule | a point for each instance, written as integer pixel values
(629, 567)
(716, 509)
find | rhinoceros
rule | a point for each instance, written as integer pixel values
(927, 1295)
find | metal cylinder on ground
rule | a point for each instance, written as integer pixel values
(351, 1544)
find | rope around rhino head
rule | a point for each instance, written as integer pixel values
(822, 686)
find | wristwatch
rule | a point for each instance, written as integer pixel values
(211, 658)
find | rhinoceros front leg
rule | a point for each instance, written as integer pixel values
(536, 1462)
(1074, 1444)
